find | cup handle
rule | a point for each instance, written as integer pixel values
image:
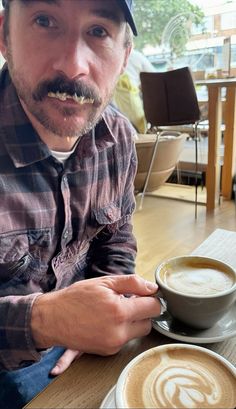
(162, 301)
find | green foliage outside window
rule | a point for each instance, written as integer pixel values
(152, 16)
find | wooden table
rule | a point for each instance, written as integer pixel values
(88, 380)
(214, 137)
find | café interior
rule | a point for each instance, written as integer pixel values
(185, 190)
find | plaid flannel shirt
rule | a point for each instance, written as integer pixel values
(59, 224)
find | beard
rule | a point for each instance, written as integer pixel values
(69, 123)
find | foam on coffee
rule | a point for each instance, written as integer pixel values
(180, 378)
(197, 280)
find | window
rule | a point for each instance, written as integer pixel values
(228, 21)
(207, 26)
(233, 56)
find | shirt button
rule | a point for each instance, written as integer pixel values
(109, 214)
(64, 179)
(65, 235)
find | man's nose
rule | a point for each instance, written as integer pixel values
(73, 61)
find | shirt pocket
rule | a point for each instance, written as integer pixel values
(22, 259)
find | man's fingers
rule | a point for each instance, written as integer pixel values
(139, 328)
(131, 284)
(64, 362)
(141, 308)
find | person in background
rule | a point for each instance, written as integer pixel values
(127, 96)
(137, 63)
(67, 251)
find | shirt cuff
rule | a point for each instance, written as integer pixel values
(17, 345)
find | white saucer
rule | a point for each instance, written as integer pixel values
(172, 328)
(109, 400)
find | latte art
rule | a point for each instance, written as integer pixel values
(197, 280)
(180, 378)
(181, 384)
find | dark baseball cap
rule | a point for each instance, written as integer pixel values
(126, 6)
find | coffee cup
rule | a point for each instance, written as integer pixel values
(177, 376)
(198, 290)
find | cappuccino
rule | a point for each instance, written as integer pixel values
(194, 280)
(178, 376)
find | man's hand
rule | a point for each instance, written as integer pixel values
(94, 315)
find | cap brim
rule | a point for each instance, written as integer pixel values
(128, 16)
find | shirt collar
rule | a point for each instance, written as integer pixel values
(22, 142)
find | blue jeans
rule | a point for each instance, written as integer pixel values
(18, 387)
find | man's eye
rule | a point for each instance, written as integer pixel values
(98, 32)
(46, 22)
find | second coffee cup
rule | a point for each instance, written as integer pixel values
(177, 376)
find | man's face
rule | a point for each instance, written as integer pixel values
(64, 57)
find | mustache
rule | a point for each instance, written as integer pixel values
(64, 85)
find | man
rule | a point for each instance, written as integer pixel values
(66, 183)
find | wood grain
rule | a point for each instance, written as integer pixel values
(164, 228)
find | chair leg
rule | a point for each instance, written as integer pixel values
(178, 173)
(196, 165)
(148, 173)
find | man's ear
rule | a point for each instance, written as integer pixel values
(3, 48)
(127, 53)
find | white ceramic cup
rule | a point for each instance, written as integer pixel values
(199, 290)
(177, 375)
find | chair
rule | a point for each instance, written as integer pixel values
(169, 99)
(166, 158)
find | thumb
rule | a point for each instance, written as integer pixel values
(132, 284)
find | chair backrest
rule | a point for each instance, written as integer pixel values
(167, 156)
(169, 98)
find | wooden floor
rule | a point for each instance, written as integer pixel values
(166, 228)
(181, 192)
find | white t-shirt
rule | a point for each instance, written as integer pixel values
(63, 156)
